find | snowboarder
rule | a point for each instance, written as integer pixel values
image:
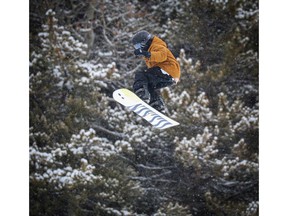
(162, 69)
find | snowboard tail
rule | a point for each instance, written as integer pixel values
(130, 100)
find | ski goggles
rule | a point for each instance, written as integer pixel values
(137, 45)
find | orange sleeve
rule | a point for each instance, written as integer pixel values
(158, 54)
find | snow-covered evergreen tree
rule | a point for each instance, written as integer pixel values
(90, 156)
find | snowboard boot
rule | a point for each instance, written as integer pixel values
(158, 105)
(143, 93)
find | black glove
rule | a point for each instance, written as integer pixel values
(141, 52)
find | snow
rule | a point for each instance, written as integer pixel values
(105, 54)
(50, 12)
(91, 156)
(84, 161)
(43, 34)
(76, 151)
(94, 71)
(67, 33)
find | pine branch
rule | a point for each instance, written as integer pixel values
(154, 168)
(109, 132)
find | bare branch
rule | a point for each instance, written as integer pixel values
(113, 133)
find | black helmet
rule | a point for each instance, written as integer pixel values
(140, 39)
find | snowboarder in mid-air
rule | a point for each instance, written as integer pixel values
(162, 69)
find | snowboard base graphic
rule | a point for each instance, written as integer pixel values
(130, 100)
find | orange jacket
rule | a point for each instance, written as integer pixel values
(161, 56)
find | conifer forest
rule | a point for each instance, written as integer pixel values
(89, 156)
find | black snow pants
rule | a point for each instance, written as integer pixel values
(153, 78)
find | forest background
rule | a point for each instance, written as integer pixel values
(211, 105)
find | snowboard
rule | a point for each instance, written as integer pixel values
(131, 101)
